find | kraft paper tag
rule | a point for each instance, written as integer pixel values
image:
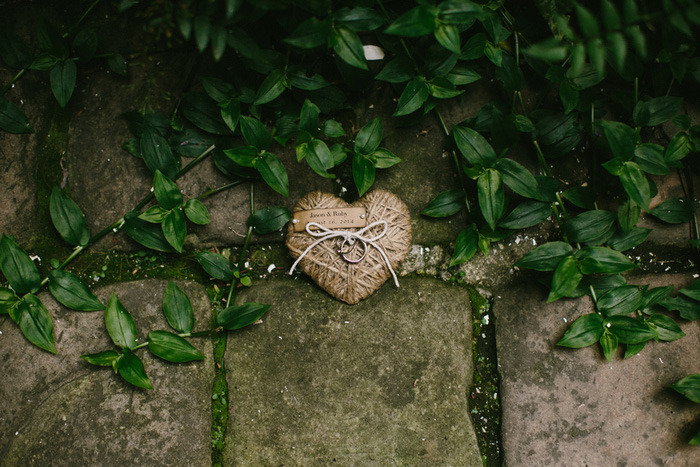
(336, 218)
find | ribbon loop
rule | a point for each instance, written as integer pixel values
(324, 233)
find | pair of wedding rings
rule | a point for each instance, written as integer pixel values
(347, 247)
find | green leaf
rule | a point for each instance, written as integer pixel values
(172, 347)
(62, 78)
(273, 172)
(244, 155)
(68, 219)
(628, 215)
(517, 177)
(332, 129)
(655, 295)
(608, 342)
(622, 241)
(175, 229)
(448, 37)
(35, 323)
(239, 316)
(620, 138)
(12, 118)
(445, 204)
(231, 113)
(474, 147)
(202, 111)
(494, 53)
(585, 331)
(565, 280)
(117, 63)
(271, 88)
(177, 308)
(600, 260)
(629, 330)
(633, 349)
(677, 148)
(621, 300)
(656, 111)
(269, 219)
(589, 226)
(369, 137)
(417, 21)
(692, 291)
(216, 265)
(120, 324)
(358, 18)
(106, 358)
(460, 12)
(145, 233)
(130, 367)
(196, 212)
(310, 34)
(166, 191)
(219, 90)
(635, 184)
(202, 29)
(218, 38)
(318, 156)
(413, 96)
(666, 328)
(308, 119)
(695, 441)
(587, 22)
(363, 171)
(650, 158)
(689, 309)
(85, 44)
(8, 300)
(348, 46)
(689, 387)
(546, 257)
(491, 196)
(465, 246)
(674, 211)
(398, 70)
(550, 50)
(255, 133)
(525, 215)
(581, 196)
(338, 153)
(69, 290)
(569, 96)
(156, 152)
(17, 267)
(383, 158)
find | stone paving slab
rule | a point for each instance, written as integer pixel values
(384, 382)
(59, 410)
(570, 407)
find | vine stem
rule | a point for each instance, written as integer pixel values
(454, 159)
(403, 42)
(236, 276)
(218, 190)
(13, 81)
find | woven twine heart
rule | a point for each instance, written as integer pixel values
(346, 281)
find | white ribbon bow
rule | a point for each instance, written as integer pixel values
(324, 234)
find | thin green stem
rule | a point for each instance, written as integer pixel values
(454, 159)
(140, 346)
(219, 190)
(236, 276)
(403, 42)
(87, 12)
(13, 81)
(593, 295)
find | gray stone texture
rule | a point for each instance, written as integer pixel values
(59, 410)
(570, 407)
(384, 382)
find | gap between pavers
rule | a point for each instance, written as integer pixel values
(383, 382)
(570, 407)
(59, 410)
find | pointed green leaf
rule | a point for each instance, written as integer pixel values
(172, 347)
(273, 172)
(674, 211)
(628, 215)
(413, 96)
(666, 328)
(166, 191)
(465, 246)
(271, 88)
(689, 387)
(69, 290)
(196, 212)
(608, 342)
(677, 148)
(147, 234)
(269, 219)
(202, 111)
(448, 36)
(231, 113)
(600, 260)
(656, 111)
(68, 219)
(474, 147)
(156, 152)
(635, 184)
(239, 316)
(332, 129)
(35, 323)
(383, 158)
(120, 324)
(130, 367)
(445, 204)
(369, 137)
(629, 330)
(175, 229)
(12, 118)
(255, 133)
(588, 226)
(689, 309)
(62, 77)
(310, 34)
(546, 257)
(491, 196)
(565, 280)
(178, 308)
(650, 158)
(620, 138)
(359, 18)
(363, 172)
(525, 215)
(348, 46)
(517, 178)
(415, 22)
(216, 265)
(17, 267)
(585, 331)
(106, 358)
(621, 300)
(622, 241)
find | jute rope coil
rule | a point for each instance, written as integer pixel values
(344, 280)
